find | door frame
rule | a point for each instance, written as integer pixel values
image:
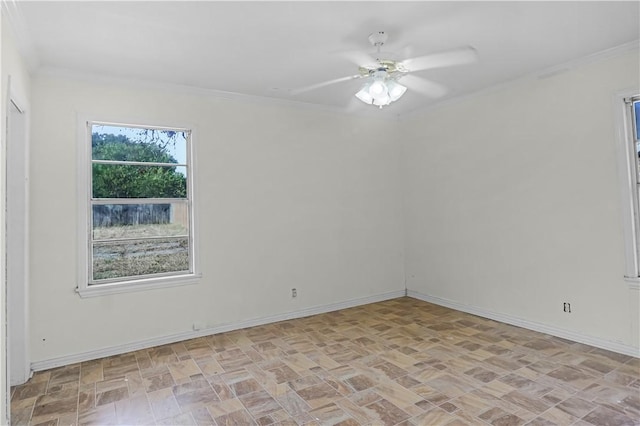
(16, 200)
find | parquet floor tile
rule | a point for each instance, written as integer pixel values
(398, 362)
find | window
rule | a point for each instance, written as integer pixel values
(628, 129)
(137, 201)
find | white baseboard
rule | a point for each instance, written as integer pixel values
(508, 319)
(530, 325)
(148, 343)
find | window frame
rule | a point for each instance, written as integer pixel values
(629, 182)
(85, 285)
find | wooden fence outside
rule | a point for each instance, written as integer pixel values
(140, 214)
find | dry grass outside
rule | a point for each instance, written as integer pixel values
(138, 258)
(132, 267)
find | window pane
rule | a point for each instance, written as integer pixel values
(126, 181)
(117, 221)
(121, 143)
(140, 257)
(144, 230)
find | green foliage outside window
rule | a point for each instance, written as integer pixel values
(134, 181)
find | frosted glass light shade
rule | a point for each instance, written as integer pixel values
(381, 91)
(395, 90)
(364, 95)
(382, 100)
(377, 88)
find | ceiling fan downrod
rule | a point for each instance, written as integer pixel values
(378, 39)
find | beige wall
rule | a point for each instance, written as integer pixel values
(510, 205)
(286, 198)
(512, 202)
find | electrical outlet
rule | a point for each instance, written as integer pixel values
(294, 293)
(567, 307)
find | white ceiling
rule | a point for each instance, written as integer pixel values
(264, 48)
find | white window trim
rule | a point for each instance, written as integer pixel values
(628, 176)
(82, 195)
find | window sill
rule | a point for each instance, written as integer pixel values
(634, 282)
(138, 285)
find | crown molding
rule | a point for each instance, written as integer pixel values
(536, 75)
(134, 83)
(22, 38)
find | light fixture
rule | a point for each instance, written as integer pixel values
(364, 95)
(377, 89)
(395, 90)
(383, 90)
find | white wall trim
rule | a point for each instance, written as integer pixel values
(627, 177)
(163, 340)
(530, 325)
(83, 159)
(17, 148)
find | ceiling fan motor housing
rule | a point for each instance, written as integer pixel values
(387, 65)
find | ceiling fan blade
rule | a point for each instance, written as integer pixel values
(362, 59)
(465, 55)
(323, 84)
(423, 86)
(406, 51)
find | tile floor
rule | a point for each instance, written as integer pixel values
(401, 361)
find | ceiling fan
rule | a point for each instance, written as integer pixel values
(382, 74)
